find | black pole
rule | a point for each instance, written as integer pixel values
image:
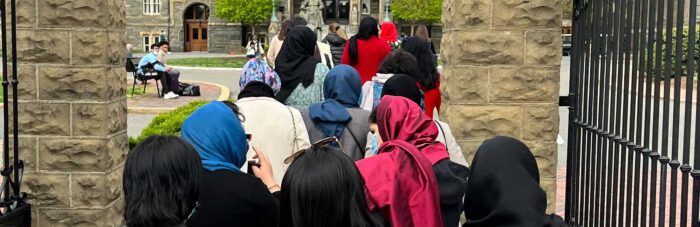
(6, 115)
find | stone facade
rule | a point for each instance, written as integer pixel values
(501, 76)
(72, 109)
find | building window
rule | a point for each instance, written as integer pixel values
(146, 43)
(151, 7)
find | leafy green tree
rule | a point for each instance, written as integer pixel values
(568, 7)
(416, 11)
(246, 12)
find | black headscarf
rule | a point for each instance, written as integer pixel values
(368, 27)
(404, 86)
(295, 63)
(256, 89)
(504, 186)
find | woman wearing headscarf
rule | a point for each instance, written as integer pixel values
(405, 86)
(365, 51)
(340, 114)
(401, 186)
(228, 196)
(266, 118)
(389, 34)
(504, 187)
(398, 62)
(428, 77)
(302, 75)
(399, 118)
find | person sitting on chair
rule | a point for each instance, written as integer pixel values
(150, 60)
(171, 76)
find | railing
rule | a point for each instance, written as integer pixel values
(14, 209)
(633, 150)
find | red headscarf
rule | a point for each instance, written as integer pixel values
(389, 33)
(399, 118)
(401, 184)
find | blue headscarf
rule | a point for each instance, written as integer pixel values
(218, 136)
(341, 90)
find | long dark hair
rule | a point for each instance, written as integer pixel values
(428, 75)
(400, 62)
(368, 27)
(323, 187)
(161, 182)
(286, 25)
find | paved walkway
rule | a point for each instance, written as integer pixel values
(180, 55)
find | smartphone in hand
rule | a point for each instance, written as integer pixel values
(252, 163)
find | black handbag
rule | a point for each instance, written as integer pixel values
(185, 89)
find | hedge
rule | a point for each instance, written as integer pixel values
(167, 124)
(684, 51)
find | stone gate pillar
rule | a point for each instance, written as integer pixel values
(72, 109)
(501, 76)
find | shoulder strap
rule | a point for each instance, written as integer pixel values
(294, 124)
(443, 134)
(357, 142)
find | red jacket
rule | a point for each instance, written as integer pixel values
(433, 99)
(370, 54)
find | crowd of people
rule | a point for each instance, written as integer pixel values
(379, 157)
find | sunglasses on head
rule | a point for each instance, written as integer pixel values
(319, 144)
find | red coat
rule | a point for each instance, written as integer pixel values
(433, 99)
(370, 54)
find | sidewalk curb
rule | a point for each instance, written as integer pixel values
(223, 96)
(205, 68)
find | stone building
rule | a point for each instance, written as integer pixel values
(191, 26)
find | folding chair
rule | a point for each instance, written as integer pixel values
(149, 73)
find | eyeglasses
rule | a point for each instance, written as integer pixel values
(319, 144)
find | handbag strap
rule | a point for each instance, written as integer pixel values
(443, 134)
(357, 142)
(294, 124)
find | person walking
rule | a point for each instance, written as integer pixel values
(365, 51)
(336, 38)
(302, 75)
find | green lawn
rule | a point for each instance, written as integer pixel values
(209, 62)
(137, 91)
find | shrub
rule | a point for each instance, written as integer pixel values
(168, 124)
(672, 59)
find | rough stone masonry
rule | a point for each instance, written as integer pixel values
(72, 109)
(501, 76)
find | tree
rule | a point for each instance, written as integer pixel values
(246, 12)
(568, 7)
(415, 11)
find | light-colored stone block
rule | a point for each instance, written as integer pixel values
(540, 123)
(26, 78)
(466, 14)
(43, 46)
(543, 48)
(47, 190)
(74, 13)
(465, 85)
(532, 13)
(27, 153)
(63, 83)
(89, 47)
(483, 48)
(513, 85)
(550, 187)
(47, 119)
(546, 155)
(96, 190)
(483, 122)
(77, 155)
(99, 119)
(112, 217)
(469, 149)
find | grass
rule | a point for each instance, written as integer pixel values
(137, 91)
(209, 62)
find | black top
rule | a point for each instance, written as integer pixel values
(229, 198)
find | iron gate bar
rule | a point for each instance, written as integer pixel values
(6, 113)
(695, 210)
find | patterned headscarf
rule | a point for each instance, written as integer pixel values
(256, 70)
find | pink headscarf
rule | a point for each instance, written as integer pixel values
(400, 180)
(401, 185)
(389, 32)
(399, 118)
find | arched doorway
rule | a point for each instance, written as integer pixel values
(196, 20)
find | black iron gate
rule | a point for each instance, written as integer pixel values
(14, 209)
(634, 143)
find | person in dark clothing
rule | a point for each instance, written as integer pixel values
(161, 182)
(323, 187)
(504, 187)
(337, 42)
(228, 196)
(299, 21)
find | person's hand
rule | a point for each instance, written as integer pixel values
(168, 69)
(264, 169)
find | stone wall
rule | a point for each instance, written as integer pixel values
(72, 109)
(501, 76)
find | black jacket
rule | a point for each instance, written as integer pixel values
(337, 44)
